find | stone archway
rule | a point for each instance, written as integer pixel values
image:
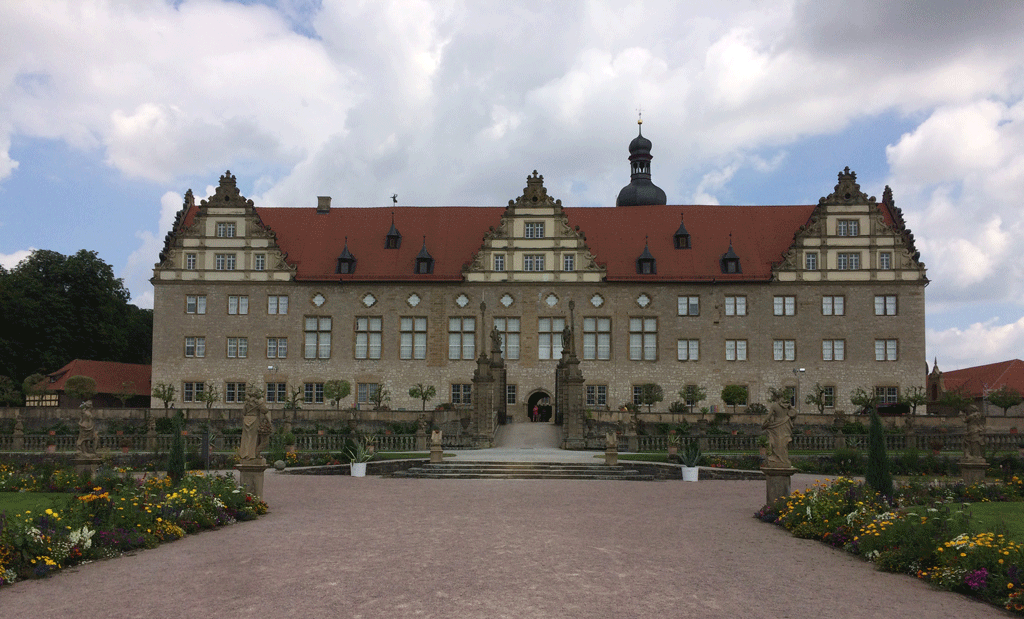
(543, 401)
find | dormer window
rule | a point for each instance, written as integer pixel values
(646, 264)
(681, 238)
(730, 262)
(346, 261)
(424, 261)
(393, 240)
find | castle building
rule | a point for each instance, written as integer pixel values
(760, 296)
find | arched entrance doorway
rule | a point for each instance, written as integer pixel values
(542, 400)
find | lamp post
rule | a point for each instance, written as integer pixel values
(797, 372)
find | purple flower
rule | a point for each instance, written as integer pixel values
(976, 579)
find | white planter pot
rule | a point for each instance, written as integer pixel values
(690, 473)
(358, 469)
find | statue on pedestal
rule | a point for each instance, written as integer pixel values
(974, 441)
(256, 430)
(779, 425)
(87, 435)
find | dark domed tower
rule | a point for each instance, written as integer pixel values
(640, 191)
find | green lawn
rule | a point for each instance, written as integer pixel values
(20, 502)
(1004, 518)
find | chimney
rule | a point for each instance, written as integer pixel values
(323, 204)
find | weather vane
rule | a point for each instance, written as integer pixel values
(394, 198)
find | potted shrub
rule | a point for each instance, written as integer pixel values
(691, 458)
(936, 445)
(674, 441)
(51, 443)
(359, 455)
(289, 442)
(125, 444)
(762, 445)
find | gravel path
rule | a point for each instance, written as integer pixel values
(374, 547)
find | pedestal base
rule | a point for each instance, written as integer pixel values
(611, 457)
(973, 471)
(87, 464)
(777, 481)
(436, 454)
(251, 473)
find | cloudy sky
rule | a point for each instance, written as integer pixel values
(110, 110)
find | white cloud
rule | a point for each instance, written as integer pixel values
(138, 268)
(978, 344)
(7, 165)
(9, 261)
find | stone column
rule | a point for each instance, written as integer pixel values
(777, 482)
(251, 472)
(436, 449)
(611, 452)
(973, 470)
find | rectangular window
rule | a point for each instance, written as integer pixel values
(833, 350)
(689, 306)
(462, 394)
(887, 395)
(277, 392)
(785, 306)
(190, 262)
(189, 391)
(238, 347)
(318, 337)
(365, 392)
(461, 338)
(259, 262)
(277, 304)
(509, 329)
(885, 261)
(224, 262)
(535, 229)
(688, 350)
(735, 350)
(568, 262)
(885, 350)
(847, 227)
(368, 337)
(811, 261)
(225, 230)
(735, 306)
(195, 304)
(597, 395)
(848, 262)
(597, 338)
(195, 346)
(833, 306)
(234, 393)
(885, 305)
(413, 338)
(643, 339)
(238, 305)
(277, 348)
(784, 350)
(549, 338)
(829, 395)
(533, 262)
(510, 394)
(499, 262)
(313, 393)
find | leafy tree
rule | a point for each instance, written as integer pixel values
(651, 394)
(208, 395)
(336, 391)
(176, 457)
(733, 395)
(818, 397)
(864, 400)
(693, 395)
(34, 384)
(423, 392)
(58, 308)
(1005, 398)
(80, 387)
(165, 393)
(10, 395)
(784, 394)
(914, 397)
(878, 476)
(293, 403)
(958, 399)
(380, 397)
(126, 392)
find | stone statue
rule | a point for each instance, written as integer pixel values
(421, 425)
(495, 340)
(256, 430)
(974, 441)
(435, 437)
(567, 339)
(87, 435)
(779, 425)
(611, 440)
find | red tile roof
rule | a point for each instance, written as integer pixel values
(108, 375)
(992, 376)
(616, 237)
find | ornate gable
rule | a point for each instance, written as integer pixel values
(534, 242)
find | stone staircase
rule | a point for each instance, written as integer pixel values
(523, 470)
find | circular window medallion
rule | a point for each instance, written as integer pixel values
(597, 300)
(643, 300)
(507, 299)
(413, 300)
(319, 299)
(368, 299)
(462, 300)
(551, 300)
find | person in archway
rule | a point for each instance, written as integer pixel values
(536, 412)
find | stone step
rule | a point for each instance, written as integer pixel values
(523, 470)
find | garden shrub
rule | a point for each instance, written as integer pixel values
(878, 475)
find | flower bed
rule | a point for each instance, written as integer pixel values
(923, 531)
(120, 512)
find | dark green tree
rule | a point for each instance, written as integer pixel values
(176, 457)
(958, 399)
(914, 397)
(651, 394)
(864, 400)
(80, 387)
(733, 395)
(336, 391)
(878, 476)
(58, 308)
(693, 395)
(10, 395)
(1005, 398)
(423, 392)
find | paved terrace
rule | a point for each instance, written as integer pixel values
(338, 546)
